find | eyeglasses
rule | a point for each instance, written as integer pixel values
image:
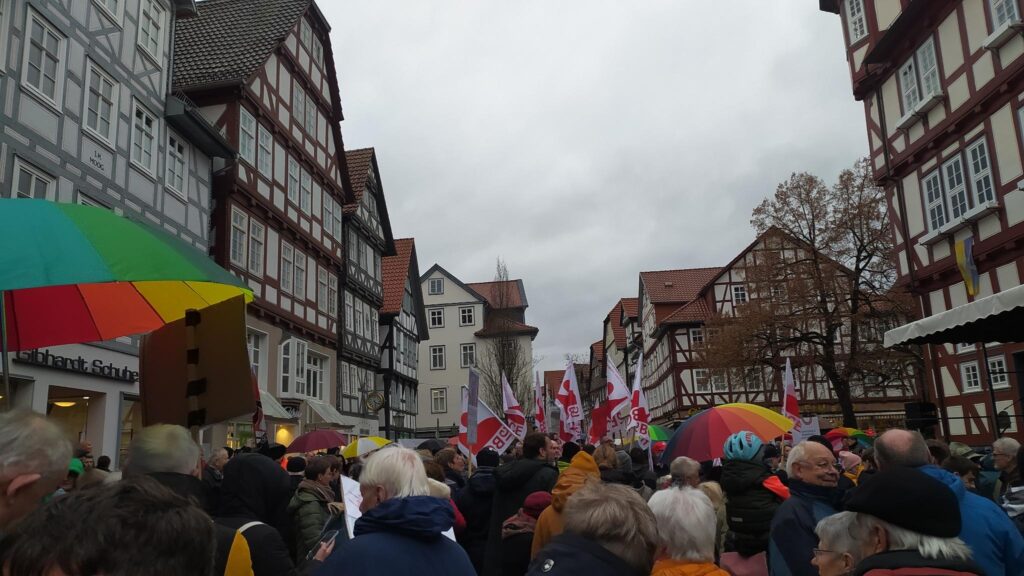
(822, 464)
(820, 552)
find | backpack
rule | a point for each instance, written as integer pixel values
(239, 559)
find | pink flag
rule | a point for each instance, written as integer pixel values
(514, 417)
(491, 431)
(790, 408)
(568, 397)
(538, 399)
(639, 411)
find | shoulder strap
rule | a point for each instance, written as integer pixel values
(244, 527)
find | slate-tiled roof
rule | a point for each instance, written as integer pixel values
(696, 311)
(230, 39)
(676, 285)
(395, 272)
(491, 291)
(359, 162)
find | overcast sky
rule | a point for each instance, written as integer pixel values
(585, 141)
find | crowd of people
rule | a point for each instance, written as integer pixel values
(903, 506)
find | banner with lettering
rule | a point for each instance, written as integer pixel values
(514, 417)
(639, 411)
(491, 432)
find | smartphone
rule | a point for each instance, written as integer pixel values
(328, 536)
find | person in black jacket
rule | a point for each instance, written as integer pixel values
(475, 502)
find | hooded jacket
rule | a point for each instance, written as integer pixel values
(572, 555)
(911, 563)
(309, 515)
(993, 539)
(550, 524)
(670, 567)
(513, 482)
(792, 530)
(475, 502)
(401, 537)
(749, 506)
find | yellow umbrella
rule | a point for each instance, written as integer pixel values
(364, 446)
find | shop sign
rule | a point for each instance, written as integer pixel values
(79, 364)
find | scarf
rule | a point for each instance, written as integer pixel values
(518, 523)
(322, 492)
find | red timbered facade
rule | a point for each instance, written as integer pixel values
(943, 92)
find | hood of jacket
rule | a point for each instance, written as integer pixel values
(420, 517)
(670, 567)
(742, 475)
(948, 478)
(513, 475)
(255, 487)
(582, 468)
(482, 481)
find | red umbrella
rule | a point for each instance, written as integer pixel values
(317, 440)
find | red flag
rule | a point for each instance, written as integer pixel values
(569, 431)
(790, 408)
(491, 431)
(568, 397)
(539, 396)
(514, 417)
(599, 423)
(639, 411)
(618, 391)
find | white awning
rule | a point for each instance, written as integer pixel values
(327, 412)
(995, 318)
(272, 408)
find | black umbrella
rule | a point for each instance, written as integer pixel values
(434, 445)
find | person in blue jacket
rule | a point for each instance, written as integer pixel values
(996, 544)
(401, 530)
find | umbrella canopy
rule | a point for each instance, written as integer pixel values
(435, 445)
(702, 436)
(363, 446)
(317, 440)
(658, 433)
(836, 435)
(74, 273)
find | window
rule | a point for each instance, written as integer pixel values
(311, 116)
(287, 267)
(300, 275)
(467, 355)
(956, 187)
(111, 7)
(239, 226)
(293, 181)
(247, 136)
(177, 166)
(349, 322)
(306, 198)
(316, 375)
(84, 200)
(701, 383)
(332, 295)
(44, 59)
(1003, 12)
(969, 376)
(101, 103)
(256, 243)
(919, 76)
(286, 366)
(327, 213)
(144, 139)
(739, 294)
(437, 358)
(961, 348)
(718, 383)
(337, 222)
(436, 316)
(318, 52)
(150, 28)
(981, 176)
(438, 400)
(321, 287)
(435, 286)
(266, 152)
(697, 337)
(935, 201)
(306, 33)
(298, 103)
(997, 372)
(256, 342)
(31, 182)
(466, 316)
(294, 355)
(856, 21)
(949, 198)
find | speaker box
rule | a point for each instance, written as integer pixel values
(921, 415)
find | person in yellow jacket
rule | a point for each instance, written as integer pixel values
(583, 468)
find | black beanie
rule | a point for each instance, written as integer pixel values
(569, 449)
(296, 464)
(488, 457)
(910, 499)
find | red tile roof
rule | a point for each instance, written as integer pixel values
(491, 291)
(617, 329)
(495, 327)
(395, 270)
(359, 162)
(666, 286)
(597, 350)
(552, 380)
(696, 311)
(631, 306)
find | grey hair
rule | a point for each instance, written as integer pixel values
(889, 452)
(686, 523)
(162, 448)
(796, 454)
(684, 467)
(618, 519)
(32, 445)
(834, 533)
(398, 470)
(1007, 445)
(903, 539)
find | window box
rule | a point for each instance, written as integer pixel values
(972, 215)
(1003, 34)
(920, 110)
(908, 120)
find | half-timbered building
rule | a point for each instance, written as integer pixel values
(262, 72)
(943, 92)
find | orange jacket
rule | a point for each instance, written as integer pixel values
(549, 525)
(670, 567)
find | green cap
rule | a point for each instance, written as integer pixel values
(76, 466)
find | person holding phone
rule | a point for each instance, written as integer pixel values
(309, 508)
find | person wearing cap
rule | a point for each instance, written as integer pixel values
(476, 501)
(296, 469)
(517, 534)
(906, 522)
(996, 544)
(813, 480)
(852, 465)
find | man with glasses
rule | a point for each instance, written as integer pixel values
(813, 495)
(1004, 459)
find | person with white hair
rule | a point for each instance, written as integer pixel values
(1004, 459)
(686, 533)
(906, 522)
(400, 532)
(685, 472)
(34, 457)
(837, 552)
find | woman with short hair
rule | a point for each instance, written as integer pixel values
(686, 533)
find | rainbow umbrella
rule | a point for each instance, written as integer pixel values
(836, 435)
(702, 436)
(658, 433)
(72, 273)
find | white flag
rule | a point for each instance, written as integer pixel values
(639, 411)
(539, 418)
(514, 417)
(568, 397)
(491, 431)
(618, 391)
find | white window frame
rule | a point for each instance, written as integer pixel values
(327, 213)
(739, 294)
(177, 157)
(265, 152)
(919, 76)
(437, 358)
(246, 136)
(332, 295)
(287, 267)
(856, 20)
(140, 132)
(311, 112)
(256, 344)
(257, 246)
(306, 192)
(305, 32)
(438, 401)
(84, 199)
(318, 51)
(298, 103)
(957, 194)
(36, 175)
(151, 13)
(463, 310)
(293, 180)
(60, 67)
(439, 317)
(1010, 12)
(719, 382)
(5, 10)
(998, 372)
(239, 232)
(115, 14)
(961, 348)
(979, 167)
(464, 351)
(350, 323)
(965, 378)
(935, 207)
(439, 286)
(321, 288)
(317, 368)
(696, 336)
(701, 381)
(94, 71)
(300, 275)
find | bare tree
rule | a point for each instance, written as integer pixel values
(821, 290)
(504, 351)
